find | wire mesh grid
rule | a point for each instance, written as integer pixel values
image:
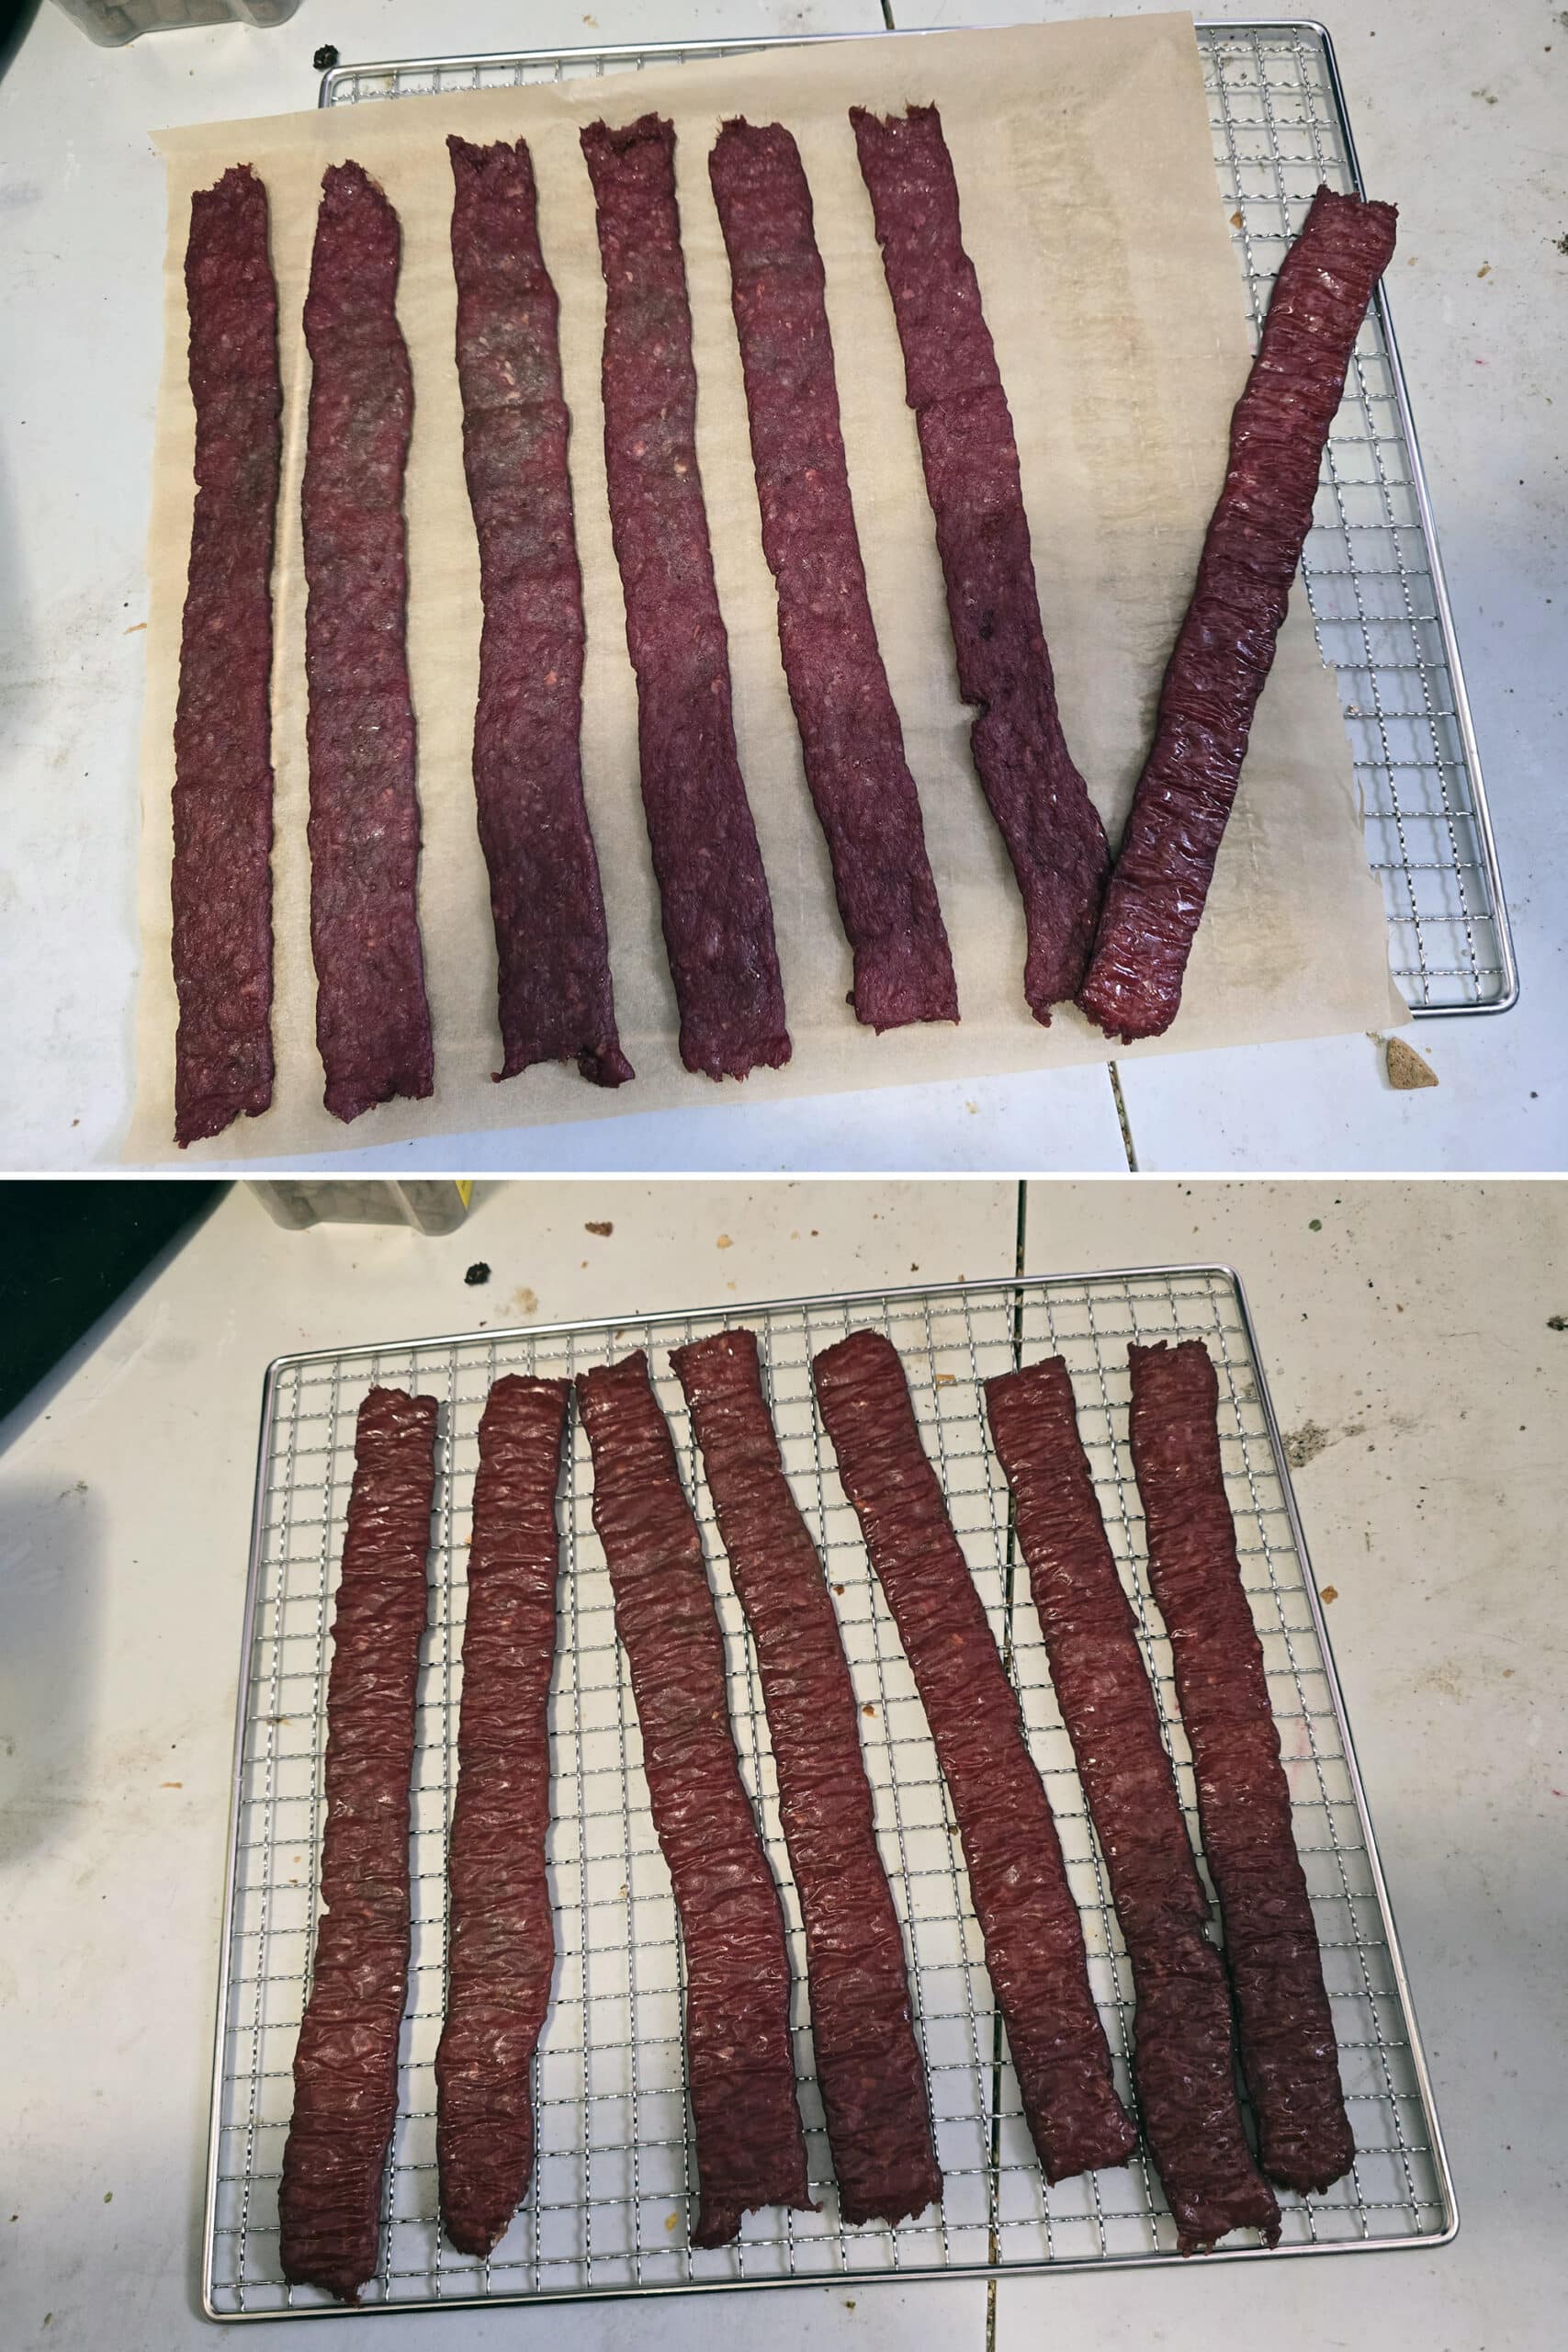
(615, 2181)
(1370, 566)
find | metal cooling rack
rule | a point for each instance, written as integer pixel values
(1373, 576)
(607, 2212)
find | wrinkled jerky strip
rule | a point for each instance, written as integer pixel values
(501, 1944)
(717, 918)
(1285, 2022)
(1043, 809)
(222, 796)
(740, 2065)
(372, 1020)
(868, 2064)
(1034, 1945)
(556, 998)
(1225, 647)
(1183, 2059)
(850, 734)
(346, 2064)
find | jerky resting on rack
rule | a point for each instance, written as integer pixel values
(1225, 648)
(1034, 1945)
(372, 1020)
(1285, 2022)
(850, 735)
(868, 2064)
(713, 893)
(1182, 2060)
(556, 998)
(1052, 834)
(750, 2147)
(346, 2064)
(222, 884)
(500, 1945)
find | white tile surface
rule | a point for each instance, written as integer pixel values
(124, 1525)
(1416, 1376)
(82, 191)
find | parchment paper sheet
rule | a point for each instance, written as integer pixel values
(1090, 210)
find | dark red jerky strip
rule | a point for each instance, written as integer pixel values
(500, 1945)
(740, 2065)
(713, 893)
(346, 2064)
(1285, 2022)
(850, 733)
(372, 1020)
(222, 796)
(557, 1002)
(1183, 2061)
(1034, 1945)
(868, 2064)
(1225, 648)
(1052, 834)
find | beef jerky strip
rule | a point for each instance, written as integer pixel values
(718, 919)
(346, 2064)
(1285, 2023)
(1043, 809)
(850, 733)
(750, 2147)
(868, 2064)
(1225, 647)
(500, 1945)
(372, 1020)
(556, 998)
(1182, 2061)
(222, 796)
(1034, 1945)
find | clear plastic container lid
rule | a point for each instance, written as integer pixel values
(114, 22)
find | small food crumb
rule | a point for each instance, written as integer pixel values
(601, 1225)
(1405, 1068)
(670, 2221)
(171, 1784)
(724, 1242)
(1314, 1225)
(1557, 1322)
(108, 2197)
(1236, 220)
(478, 1272)
(838, 1588)
(1485, 270)
(869, 1708)
(946, 1380)
(1330, 1592)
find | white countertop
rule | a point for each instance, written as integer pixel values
(1463, 128)
(1412, 1364)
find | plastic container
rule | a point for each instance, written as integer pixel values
(428, 1204)
(112, 23)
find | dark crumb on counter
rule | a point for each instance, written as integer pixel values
(600, 1227)
(1557, 1322)
(478, 1272)
(325, 57)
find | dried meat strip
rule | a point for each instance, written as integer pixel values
(346, 2064)
(500, 1945)
(850, 733)
(751, 2148)
(1225, 648)
(1285, 2022)
(222, 796)
(868, 2064)
(1042, 807)
(557, 1002)
(1034, 1945)
(1183, 2061)
(372, 1020)
(717, 917)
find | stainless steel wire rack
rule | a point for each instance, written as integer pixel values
(608, 2209)
(1372, 569)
